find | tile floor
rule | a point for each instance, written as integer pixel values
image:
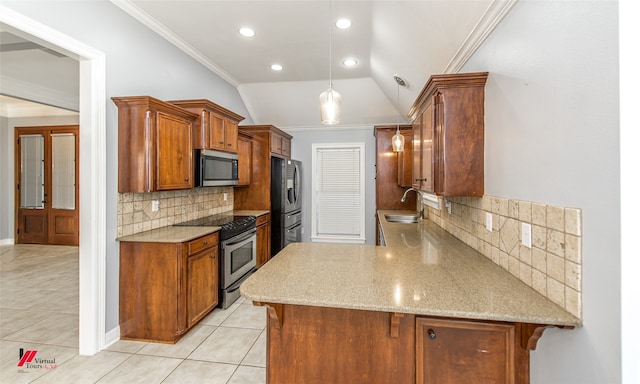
(39, 312)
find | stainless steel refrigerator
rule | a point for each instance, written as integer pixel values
(286, 203)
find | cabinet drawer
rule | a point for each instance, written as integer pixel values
(262, 219)
(202, 243)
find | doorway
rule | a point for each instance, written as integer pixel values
(47, 185)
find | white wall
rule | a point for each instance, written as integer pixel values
(138, 62)
(7, 191)
(301, 150)
(552, 136)
(6, 162)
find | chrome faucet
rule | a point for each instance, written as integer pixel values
(404, 197)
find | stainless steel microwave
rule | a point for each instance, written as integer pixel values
(215, 168)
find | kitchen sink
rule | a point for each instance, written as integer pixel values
(406, 219)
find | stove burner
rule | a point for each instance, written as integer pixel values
(230, 225)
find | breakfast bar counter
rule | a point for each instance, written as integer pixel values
(395, 310)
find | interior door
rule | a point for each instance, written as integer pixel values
(47, 187)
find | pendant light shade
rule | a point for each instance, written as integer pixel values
(330, 100)
(330, 106)
(397, 141)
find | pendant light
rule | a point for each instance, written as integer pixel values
(397, 141)
(330, 100)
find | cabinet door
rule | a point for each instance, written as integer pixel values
(202, 284)
(174, 158)
(427, 149)
(244, 162)
(276, 143)
(416, 153)
(286, 147)
(263, 238)
(230, 135)
(216, 132)
(452, 352)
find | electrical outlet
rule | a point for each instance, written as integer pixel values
(155, 205)
(488, 221)
(526, 235)
(225, 196)
(447, 204)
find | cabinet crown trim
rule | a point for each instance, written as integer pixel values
(209, 105)
(152, 103)
(446, 81)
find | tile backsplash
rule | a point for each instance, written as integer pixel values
(553, 264)
(135, 213)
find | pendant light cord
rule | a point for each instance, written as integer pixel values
(330, 45)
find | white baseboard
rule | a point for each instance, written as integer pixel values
(111, 337)
(6, 242)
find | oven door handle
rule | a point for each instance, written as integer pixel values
(239, 239)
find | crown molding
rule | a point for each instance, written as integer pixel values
(487, 23)
(156, 26)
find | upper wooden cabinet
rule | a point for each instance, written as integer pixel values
(245, 158)
(155, 146)
(448, 135)
(216, 127)
(279, 141)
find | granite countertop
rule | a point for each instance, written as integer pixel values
(179, 234)
(423, 270)
(169, 234)
(247, 212)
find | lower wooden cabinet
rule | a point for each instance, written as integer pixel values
(452, 351)
(263, 228)
(360, 346)
(166, 288)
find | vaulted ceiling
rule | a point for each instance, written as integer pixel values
(412, 39)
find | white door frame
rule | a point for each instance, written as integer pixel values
(92, 250)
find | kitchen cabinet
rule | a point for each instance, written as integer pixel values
(216, 127)
(280, 144)
(263, 239)
(155, 149)
(257, 196)
(457, 351)
(166, 288)
(278, 141)
(245, 155)
(448, 133)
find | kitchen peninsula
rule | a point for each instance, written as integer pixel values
(426, 308)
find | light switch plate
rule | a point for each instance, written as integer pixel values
(488, 221)
(155, 205)
(526, 235)
(224, 195)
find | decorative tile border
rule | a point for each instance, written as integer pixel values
(135, 214)
(552, 266)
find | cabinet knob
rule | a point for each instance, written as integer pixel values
(213, 256)
(221, 142)
(206, 242)
(432, 334)
(186, 179)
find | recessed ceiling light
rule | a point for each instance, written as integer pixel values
(349, 62)
(247, 32)
(343, 23)
(276, 67)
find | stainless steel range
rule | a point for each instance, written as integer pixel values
(237, 251)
